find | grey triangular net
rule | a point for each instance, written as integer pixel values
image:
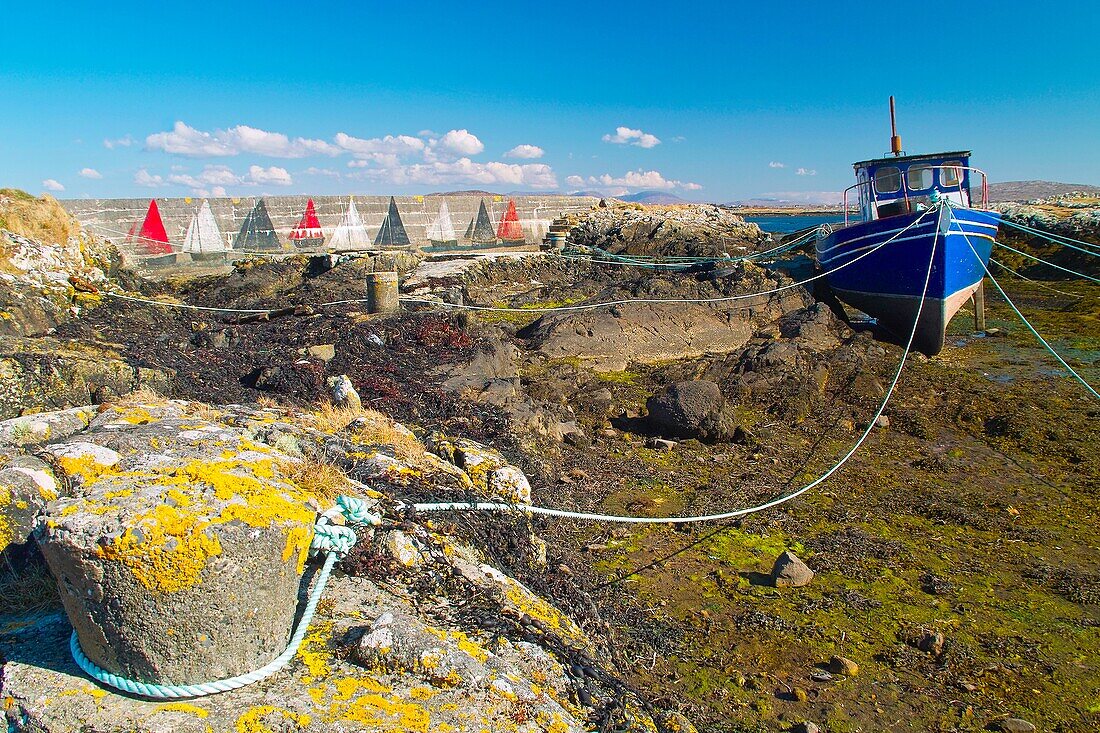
(257, 231)
(481, 229)
(392, 233)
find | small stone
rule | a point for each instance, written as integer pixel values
(402, 548)
(882, 422)
(1013, 725)
(322, 352)
(660, 444)
(994, 332)
(932, 642)
(343, 393)
(806, 727)
(790, 572)
(844, 666)
(376, 341)
(821, 676)
(800, 695)
(509, 483)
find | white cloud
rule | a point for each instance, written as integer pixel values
(776, 164)
(315, 171)
(388, 145)
(51, 185)
(462, 142)
(91, 173)
(679, 139)
(525, 151)
(805, 172)
(122, 142)
(626, 135)
(144, 178)
(638, 179)
(211, 175)
(427, 133)
(464, 170)
(218, 191)
(273, 175)
(183, 139)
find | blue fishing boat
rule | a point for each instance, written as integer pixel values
(913, 209)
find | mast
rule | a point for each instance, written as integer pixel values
(895, 138)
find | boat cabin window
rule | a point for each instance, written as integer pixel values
(888, 180)
(919, 177)
(951, 173)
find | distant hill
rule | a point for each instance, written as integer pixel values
(471, 192)
(653, 197)
(1027, 190)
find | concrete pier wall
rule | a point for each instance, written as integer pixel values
(112, 218)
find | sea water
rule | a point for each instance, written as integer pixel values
(787, 223)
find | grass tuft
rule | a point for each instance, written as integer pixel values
(31, 590)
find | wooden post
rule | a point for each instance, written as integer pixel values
(382, 295)
(979, 307)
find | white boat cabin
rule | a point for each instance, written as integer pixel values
(906, 184)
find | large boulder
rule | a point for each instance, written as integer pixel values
(693, 409)
(609, 339)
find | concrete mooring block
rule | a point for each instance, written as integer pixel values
(382, 293)
(181, 576)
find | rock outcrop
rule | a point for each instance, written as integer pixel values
(1074, 215)
(49, 268)
(609, 338)
(178, 532)
(696, 230)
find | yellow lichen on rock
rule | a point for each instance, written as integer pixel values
(252, 720)
(168, 546)
(314, 651)
(7, 533)
(182, 707)
(86, 468)
(166, 549)
(385, 714)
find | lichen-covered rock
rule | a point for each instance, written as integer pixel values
(49, 268)
(185, 500)
(46, 373)
(476, 460)
(510, 484)
(43, 426)
(26, 485)
(402, 548)
(321, 691)
(343, 393)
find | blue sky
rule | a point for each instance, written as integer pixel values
(716, 101)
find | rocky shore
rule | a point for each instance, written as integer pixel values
(161, 470)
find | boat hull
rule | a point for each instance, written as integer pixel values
(888, 283)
